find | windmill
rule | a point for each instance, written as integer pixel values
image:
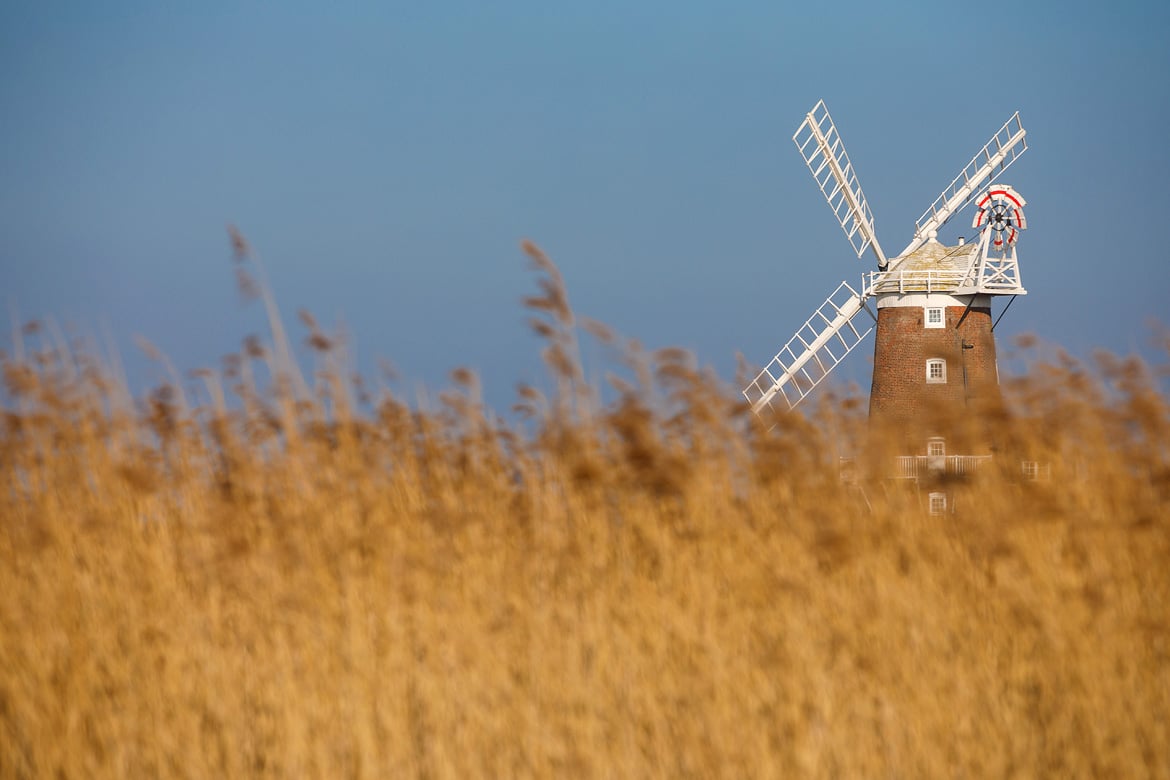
(934, 330)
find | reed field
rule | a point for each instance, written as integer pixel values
(254, 571)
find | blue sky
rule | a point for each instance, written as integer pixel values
(385, 160)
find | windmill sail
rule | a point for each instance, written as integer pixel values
(996, 156)
(818, 346)
(824, 153)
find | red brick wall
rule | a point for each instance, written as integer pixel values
(900, 394)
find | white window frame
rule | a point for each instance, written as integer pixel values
(936, 447)
(941, 379)
(937, 503)
(1030, 469)
(929, 310)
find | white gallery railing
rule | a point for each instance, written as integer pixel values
(916, 281)
(911, 466)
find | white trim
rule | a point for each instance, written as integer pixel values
(928, 317)
(898, 301)
(939, 363)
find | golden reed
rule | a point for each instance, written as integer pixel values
(255, 574)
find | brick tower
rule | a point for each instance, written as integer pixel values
(934, 348)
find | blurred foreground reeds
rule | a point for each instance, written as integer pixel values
(252, 574)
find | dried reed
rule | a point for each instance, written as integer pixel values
(254, 579)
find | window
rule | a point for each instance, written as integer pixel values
(936, 447)
(1030, 469)
(938, 503)
(936, 371)
(934, 317)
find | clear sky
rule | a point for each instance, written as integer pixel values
(386, 159)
